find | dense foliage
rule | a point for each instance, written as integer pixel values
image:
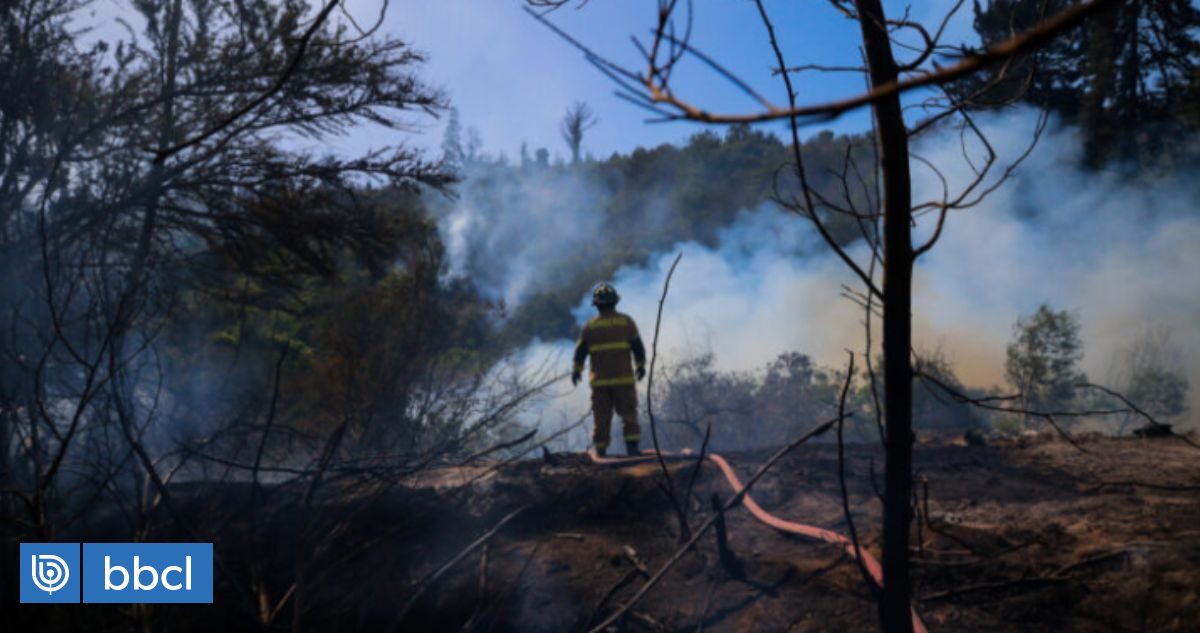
(1129, 78)
(176, 277)
(1042, 361)
(620, 210)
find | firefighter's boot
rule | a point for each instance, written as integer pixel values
(600, 451)
(631, 448)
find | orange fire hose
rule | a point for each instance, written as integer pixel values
(872, 565)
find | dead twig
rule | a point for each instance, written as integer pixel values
(841, 456)
(684, 530)
(874, 484)
(632, 556)
(429, 580)
(481, 601)
(659, 95)
(986, 403)
(648, 621)
(1059, 575)
(619, 585)
(498, 447)
(733, 501)
(515, 458)
(975, 557)
(1089, 560)
(483, 563)
(990, 586)
(729, 560)
(638, 570)
(1138, 410)
(712, 590)
(504, 598)
(1145, 484)
(687, 494)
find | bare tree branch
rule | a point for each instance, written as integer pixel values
(699, 532)
(429, 580)
(684, 530)
(872, 586)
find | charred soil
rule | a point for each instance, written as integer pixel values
(1031, 536)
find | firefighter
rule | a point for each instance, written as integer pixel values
(610, 338)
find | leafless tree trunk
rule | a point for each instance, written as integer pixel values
(578, 120)
(892, 135)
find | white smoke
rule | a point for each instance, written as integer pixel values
(514, 236)
(1122, 255)
(766, 288)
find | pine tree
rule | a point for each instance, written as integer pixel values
(1128, 78)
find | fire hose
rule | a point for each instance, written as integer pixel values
(868, 560)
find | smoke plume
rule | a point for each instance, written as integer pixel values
(1121, 254)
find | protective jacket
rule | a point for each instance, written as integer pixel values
(610, 338)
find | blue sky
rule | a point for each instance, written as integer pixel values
(512, 78)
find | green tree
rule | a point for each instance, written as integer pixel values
(1160, 392)
(1127, 78)
(142, 177)
(1149, 372)
(1043, 358)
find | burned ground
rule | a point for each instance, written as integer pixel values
(1040, 536)
(1044, 536)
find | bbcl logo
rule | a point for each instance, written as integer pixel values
(111, 570)
(176, 573)
(49, 572)
(148, 572)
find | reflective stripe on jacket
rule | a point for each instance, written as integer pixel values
(612, 341)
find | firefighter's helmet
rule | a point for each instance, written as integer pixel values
(605, 295)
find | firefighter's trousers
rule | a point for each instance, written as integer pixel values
(623, 398)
